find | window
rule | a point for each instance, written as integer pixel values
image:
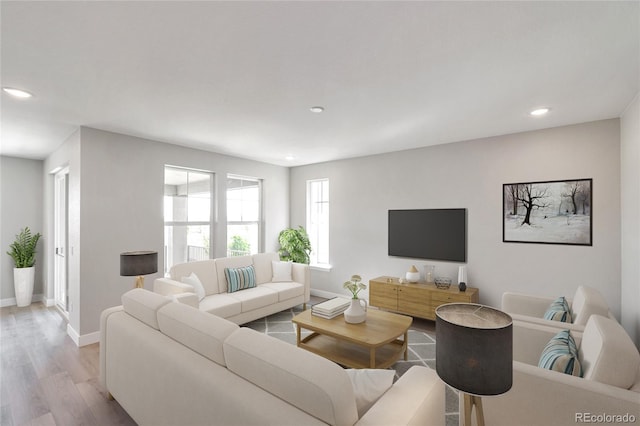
(318, 220)
(188, 196)
(244, 214)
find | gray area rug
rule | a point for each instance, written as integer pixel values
(422, 351)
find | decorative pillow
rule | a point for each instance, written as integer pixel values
(368, 386)
(240, 278)
(559, 311)
(281, 272)
(194, 281)
(561, 354)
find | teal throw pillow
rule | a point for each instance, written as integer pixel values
(561, 354)
(559, 311)
(240, 278)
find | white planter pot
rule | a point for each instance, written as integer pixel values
(23, 283)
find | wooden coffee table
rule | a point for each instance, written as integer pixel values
(374, 343)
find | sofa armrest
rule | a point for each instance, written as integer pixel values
(543, 397)
(167, 287)
(417, 398)
(525, 304)
(529, 340)
(104, 317)
(559, 325)
(300, 274)
(190, 299)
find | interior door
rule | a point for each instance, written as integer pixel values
(61, 216)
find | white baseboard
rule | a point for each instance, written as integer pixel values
(85, 339)
(326, 294)
(11, 301)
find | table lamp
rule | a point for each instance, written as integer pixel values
(137, 264)
(474, 353)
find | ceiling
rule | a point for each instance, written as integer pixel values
(239, 77)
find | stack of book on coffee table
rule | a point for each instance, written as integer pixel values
(331, 308)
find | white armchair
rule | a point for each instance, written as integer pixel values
(610, 385)
(587, 301)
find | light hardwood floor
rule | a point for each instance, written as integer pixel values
(45, 379)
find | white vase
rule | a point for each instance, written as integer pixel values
(357, 312)
(413, 277)
(23, 283)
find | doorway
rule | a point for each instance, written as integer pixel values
(61, 239)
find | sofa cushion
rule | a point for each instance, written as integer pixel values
(286, 290)
(561, 354)
(262, 263)
(144, 305)
(221, 305)
(281, 272)
(194, 281)
(200, 331)
(240, 278)
(255, 298)
(586, 302)
(204, 269)
(369, 385)
(307, 381)
(558, 310)
(229, 262)
(607, 353)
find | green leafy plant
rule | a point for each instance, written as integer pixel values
(294, 245)
(355, 285)
(239, 246)
(23, 249)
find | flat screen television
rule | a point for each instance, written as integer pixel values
(435, 234)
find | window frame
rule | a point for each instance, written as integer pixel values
(259, 221)
(187, 223)
(314, 231)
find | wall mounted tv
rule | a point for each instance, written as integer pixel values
(435, 234)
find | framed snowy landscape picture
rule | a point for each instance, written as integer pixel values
(554, 212)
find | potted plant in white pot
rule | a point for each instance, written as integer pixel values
(23, 253)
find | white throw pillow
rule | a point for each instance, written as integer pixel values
(369, 385)
(194, 281)
(281, 272)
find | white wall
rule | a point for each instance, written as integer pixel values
(470, 174)
(630, 189)
(20, 206)
(121, 202)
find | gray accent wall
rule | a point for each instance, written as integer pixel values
(119, 187)
(470, 175)
(20, 205)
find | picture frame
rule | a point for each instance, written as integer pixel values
(548, 212)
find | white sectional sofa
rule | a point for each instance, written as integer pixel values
(168, 363)
(272, 293)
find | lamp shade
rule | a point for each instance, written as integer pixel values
(135, 263)
(474, 349)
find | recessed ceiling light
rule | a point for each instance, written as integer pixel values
(317, 109)
(289, 157)
(539, 111)
(17, 92)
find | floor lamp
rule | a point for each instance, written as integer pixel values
(137, 264)
(474, 353)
